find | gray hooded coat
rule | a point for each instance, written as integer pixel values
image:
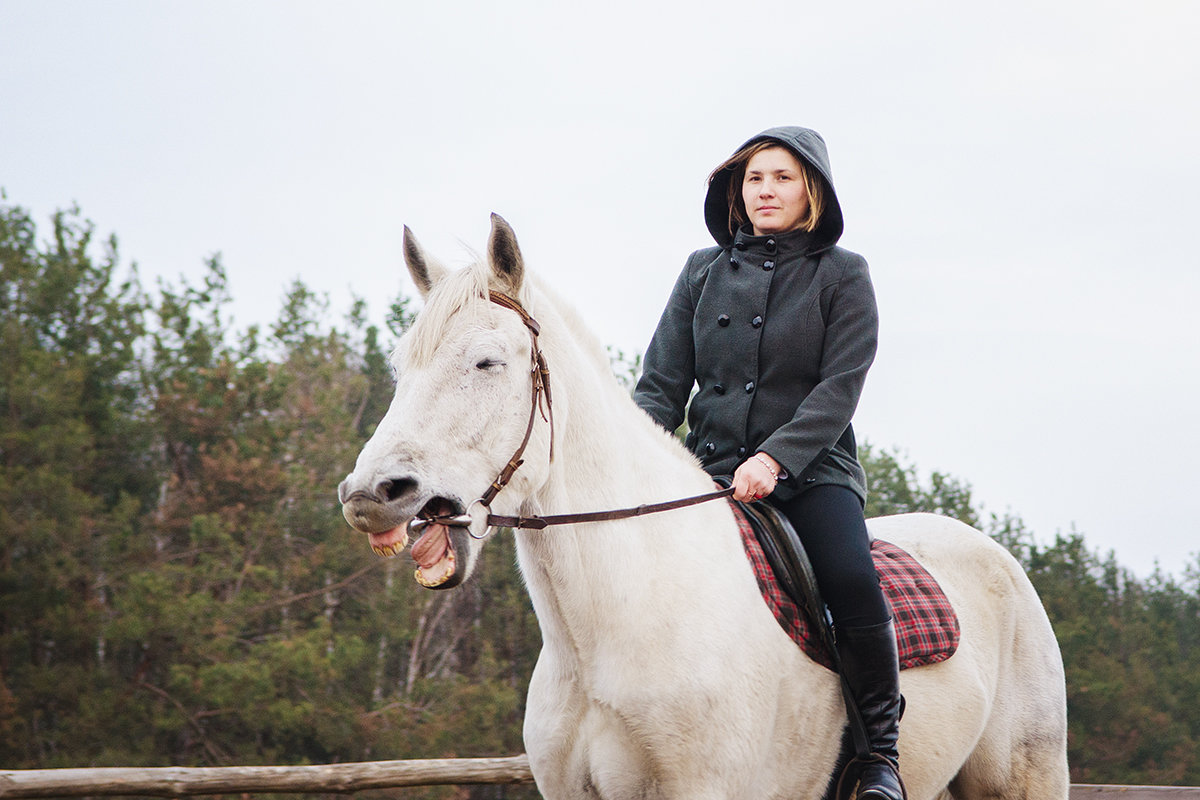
(777, 333)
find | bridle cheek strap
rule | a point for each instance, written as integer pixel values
(540, 400)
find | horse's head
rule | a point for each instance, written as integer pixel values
(461, 410)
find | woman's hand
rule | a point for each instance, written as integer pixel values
(755, 478)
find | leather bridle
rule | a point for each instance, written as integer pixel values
(540, 379)
(540, 375)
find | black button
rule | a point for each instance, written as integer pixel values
(723, 320)
(770, 245)
(756, 322)
(741, 452)
(718, 388)
(750, 387)
(741, 245)
(710, 448)
(768, 265)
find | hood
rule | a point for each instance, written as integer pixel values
(808, 146)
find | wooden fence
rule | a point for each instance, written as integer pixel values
(324, 778)
(348, 778)
(1098, 792)
(1087, 791)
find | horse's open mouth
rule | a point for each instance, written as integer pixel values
(434, 549)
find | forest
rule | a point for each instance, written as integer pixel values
(178, 587)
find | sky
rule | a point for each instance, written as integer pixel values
(1022, 178)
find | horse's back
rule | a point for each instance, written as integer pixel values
(978, 575)
(1003, 693)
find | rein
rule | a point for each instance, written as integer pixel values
(537, 523)
(540, 378)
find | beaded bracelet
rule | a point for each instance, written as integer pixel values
(758, 457)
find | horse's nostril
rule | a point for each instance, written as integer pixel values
(395, 489)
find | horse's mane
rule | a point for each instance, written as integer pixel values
(459, 293)
(578, 329)
(463, 293)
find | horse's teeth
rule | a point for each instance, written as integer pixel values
(386, 550)
(447, 575)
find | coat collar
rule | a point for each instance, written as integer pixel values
(792, 243)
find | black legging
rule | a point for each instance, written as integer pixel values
(829, 520)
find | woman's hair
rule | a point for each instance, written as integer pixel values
(735, 165)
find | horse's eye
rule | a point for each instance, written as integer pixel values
(489, 363)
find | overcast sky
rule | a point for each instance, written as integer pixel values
(1022, 178)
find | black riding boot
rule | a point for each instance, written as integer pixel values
(871, 669)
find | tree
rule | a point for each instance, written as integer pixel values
(71, 477)
(1128, 646)
(240, 621)
(177, 585)
(895, 488)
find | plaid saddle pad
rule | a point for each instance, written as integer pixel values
(927, 630)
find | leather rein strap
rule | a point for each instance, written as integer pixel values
(540, 377)
(537, 523)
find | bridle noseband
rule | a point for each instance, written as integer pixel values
(540, 378)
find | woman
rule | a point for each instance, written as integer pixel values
(776, 327)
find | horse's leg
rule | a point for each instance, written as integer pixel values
(1022, 756)
(947, 710)
(1022, 753)
(999, 706)
(1029, 768)
(584, 751)
(617, 766)
(554, 710)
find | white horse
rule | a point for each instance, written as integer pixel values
(662, 672)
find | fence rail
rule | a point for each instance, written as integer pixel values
(357, 777)
(187, 781)
(1090, 791)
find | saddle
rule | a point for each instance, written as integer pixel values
(927, 628)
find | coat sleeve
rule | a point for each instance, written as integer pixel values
(851, 338)
(669, 366)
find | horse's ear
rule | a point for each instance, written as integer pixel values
(505, 256)
(424, 271)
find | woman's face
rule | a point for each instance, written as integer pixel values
(774, 193)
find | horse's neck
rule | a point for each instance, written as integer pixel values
(607, 450)
(609, 453)
(593, 584)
